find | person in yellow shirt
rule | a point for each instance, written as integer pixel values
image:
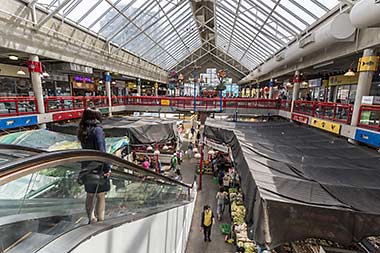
(207, 220)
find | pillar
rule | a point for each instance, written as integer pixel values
(271, 83)
(35, 77)
(257, 91)
(296, 88)
(363, 89)
(108, 92)
(138, 87)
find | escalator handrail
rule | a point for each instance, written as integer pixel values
(27, 163)
(21, 148)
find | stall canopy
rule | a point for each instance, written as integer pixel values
(138, 130)
(51, 141)
(300, 182)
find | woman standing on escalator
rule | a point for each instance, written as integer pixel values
(91, 136)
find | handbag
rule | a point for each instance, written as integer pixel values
(92, 176)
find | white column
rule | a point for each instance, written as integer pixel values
(108, 92)
(257, 91)
(296, 88)
(271, 88)
(363, 89)
(37, 88)
(138, 87)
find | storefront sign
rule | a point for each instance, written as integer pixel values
(67, 115)
(80, 68)
(326, 125)
(315, 83)
(371, 100)
(370, 138)
(14, 122)
(83, 79)
(165, 102)
(343, 80)
(368, 63)
(300, 118)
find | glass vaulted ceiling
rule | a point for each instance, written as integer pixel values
(164, 32)
(251, 31)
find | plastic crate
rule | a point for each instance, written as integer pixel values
(225, 228)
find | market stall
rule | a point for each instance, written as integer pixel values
(300, 183)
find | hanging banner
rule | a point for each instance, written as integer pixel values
(326, 125)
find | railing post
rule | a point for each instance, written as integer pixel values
(16, 107)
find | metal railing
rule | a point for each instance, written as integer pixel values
(369, 116)
(66, 103)
(15, 106)
(324, 110)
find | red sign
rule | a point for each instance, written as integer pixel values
(300, 118)
(35, 66)
(67, 115)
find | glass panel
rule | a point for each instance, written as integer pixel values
(57, 199)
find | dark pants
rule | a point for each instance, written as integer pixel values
(207, 232)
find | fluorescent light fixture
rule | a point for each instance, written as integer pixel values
(13, 57)
(323, 64)
(349, 73)
(21, 72)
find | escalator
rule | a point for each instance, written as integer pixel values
(42, 203)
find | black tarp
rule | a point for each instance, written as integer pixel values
(300, 182)
(138, 130)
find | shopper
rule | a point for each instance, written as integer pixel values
(220, 200)
(198, 137)
(192, 130)
(91, 136)
(173, 162)
(226, 182)
(190, 150)
(146, 164)
(207, 220)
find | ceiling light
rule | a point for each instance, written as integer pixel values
(13, 57)
(156, 152)
(21, 72)
(45, 74)
(349, 73)
(100, 81)
(324, 64)
(149, 148)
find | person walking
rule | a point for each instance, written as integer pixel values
(173, 162)
(207, 220)
(91, 136)
(220, 200)
(192, 130)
